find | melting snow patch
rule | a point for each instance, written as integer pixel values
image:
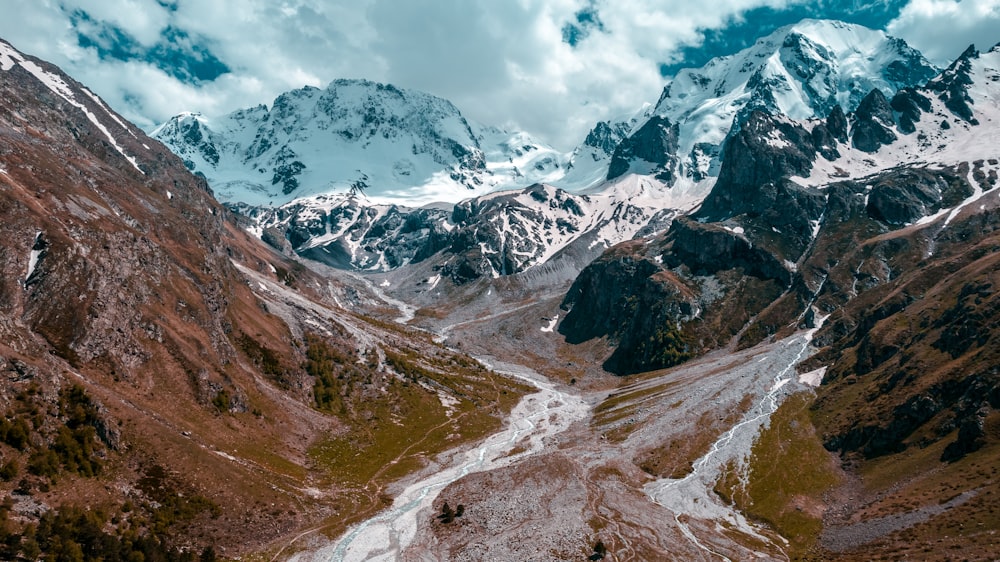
(256, 230)
(449, 402)
(226, 456)
(434, 281)
(813, 378)
(36, 253)
(779, 384)
(170, 195)
(271, 266)
(385, 283)
(552, 324)
(8, 57)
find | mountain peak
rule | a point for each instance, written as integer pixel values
(355, 135)
(801, 71)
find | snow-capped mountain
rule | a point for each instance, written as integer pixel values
(337, 172)
(354, 135)
(811, 213)
(800, 71)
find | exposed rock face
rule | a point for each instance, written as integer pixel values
(200, 365)
(952, 86)
(766, 150)
(836, 123)
(605, 136)
(910, 104)
(653, 147)
(369, 236)
(872, 123)
(504, 233)
(638, 312)
(906, 196)
(706, 249)
(753, 181)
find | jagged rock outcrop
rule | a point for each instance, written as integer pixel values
(904, 197)
(909, 104)
(872, 124)
(605, 136)
(651, 150)
(639, 312)
(754, 179)
(952, 86)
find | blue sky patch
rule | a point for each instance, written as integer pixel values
(586, 20)
(177, 53)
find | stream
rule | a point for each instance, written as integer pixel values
(693, 495)
(536, 417)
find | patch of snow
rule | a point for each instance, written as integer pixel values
(7, 57)
(170, 196)
(779, 384)
(448, 402)
(272, 268)
(385, 283)
(33, 257)
(107, 110)
(813, 378)
(433, 281)
(226, 456)
(552, 324)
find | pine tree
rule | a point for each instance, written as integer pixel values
(447, 514)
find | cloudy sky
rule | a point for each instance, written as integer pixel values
(550, 67)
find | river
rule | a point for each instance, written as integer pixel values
(537, 417)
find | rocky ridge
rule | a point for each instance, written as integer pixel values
(801, 71)
(859, 223)
(164, 375)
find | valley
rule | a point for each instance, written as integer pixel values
(755, 320)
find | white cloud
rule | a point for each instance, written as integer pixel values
(942, 29)
(144, 19)
(501, 63)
